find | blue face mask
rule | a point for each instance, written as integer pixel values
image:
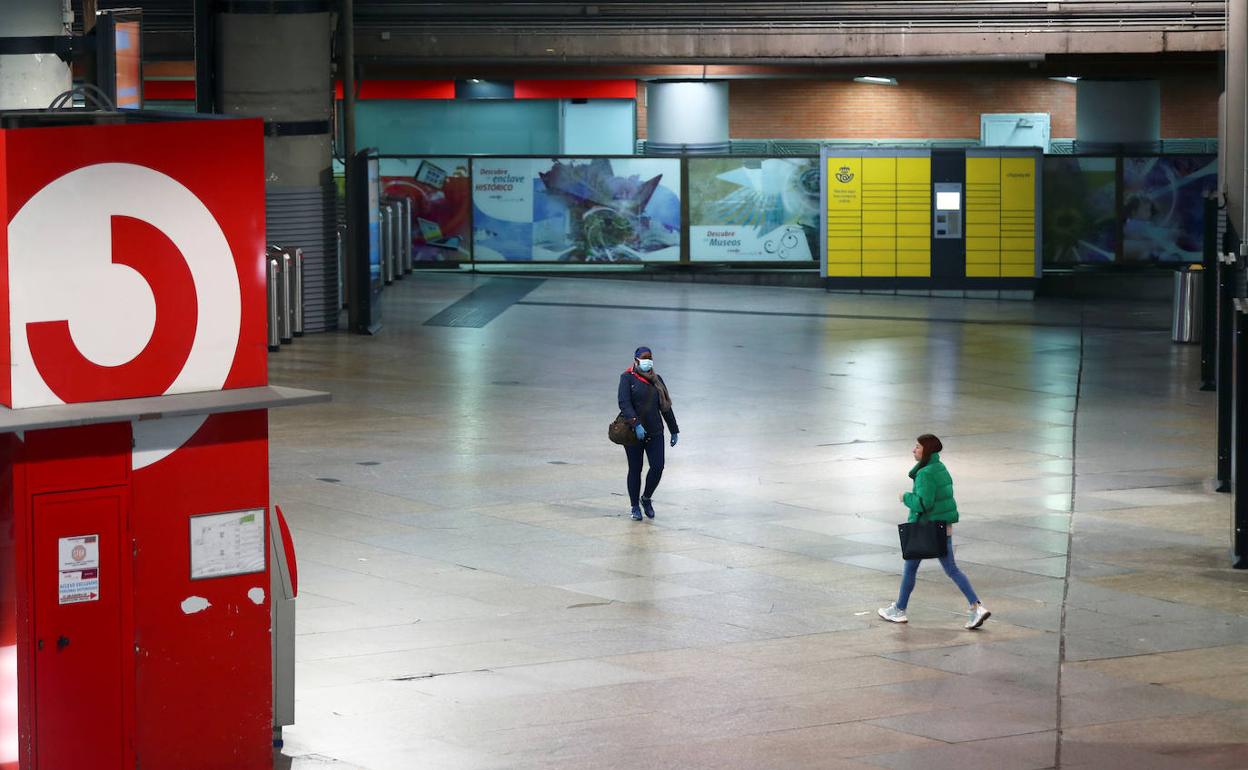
(645, 364)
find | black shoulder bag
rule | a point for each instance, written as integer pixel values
(923, 538)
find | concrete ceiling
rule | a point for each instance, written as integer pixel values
(401, 34)
(763, 32)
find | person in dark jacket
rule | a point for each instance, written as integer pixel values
(646, 404)
(932, 498)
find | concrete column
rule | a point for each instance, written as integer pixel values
(274, 63)
(690, 116)
(276, 66)
(1118, 112)
(1235, 121)
(32, 81)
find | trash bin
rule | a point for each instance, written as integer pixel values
(1185, 319)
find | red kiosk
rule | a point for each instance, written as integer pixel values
(134, 493)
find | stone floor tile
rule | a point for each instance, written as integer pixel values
(1132, 703)
(955, 725)
(478, 598)
(965, 756)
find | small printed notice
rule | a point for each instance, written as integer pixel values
(227, 544)
(79, 564)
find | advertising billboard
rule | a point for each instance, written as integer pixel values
(1080, 210)
(1163, 207)
(754, 209)
(576, 209)
(441, 194)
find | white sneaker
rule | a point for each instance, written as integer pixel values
(977, 617)
(892, 614)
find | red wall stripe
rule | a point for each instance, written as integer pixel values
(184, 90)
(400, 89)
(169, 90)
(407, 89)
(576, 89)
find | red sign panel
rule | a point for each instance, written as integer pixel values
(134, 261)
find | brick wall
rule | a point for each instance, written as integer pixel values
(931, 109)
(641, 109)
(918, 109)
(1189, 107)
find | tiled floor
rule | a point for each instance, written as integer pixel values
(475, 596)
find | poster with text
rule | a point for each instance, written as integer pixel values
(754, 209)
(1080, 210)
(1163, 207)
(576, 209)
(440, 192)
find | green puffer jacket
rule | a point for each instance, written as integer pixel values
(933, 493)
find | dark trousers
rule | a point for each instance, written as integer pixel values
(652, 448)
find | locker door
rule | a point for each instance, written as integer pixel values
(79, 673)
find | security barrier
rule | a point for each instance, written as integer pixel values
(1186, 311)
(383, 234)
(284, 289)
(272, 269)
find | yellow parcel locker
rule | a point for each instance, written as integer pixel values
(981, 170)
(1018, 184)
(881, 269)
(879, 171)
(914, 171)
(1018, 217)
(991, 270)
(1010, 270)
(844, 216)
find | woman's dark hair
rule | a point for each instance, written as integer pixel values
(931, 445)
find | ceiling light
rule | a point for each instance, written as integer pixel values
(876, 80)
(474, 80)
(1066, 79)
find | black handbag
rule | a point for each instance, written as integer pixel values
(923, 539)
(620, 432)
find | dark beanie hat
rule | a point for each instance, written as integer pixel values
(643, 349)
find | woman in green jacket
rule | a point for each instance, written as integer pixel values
(932, 497)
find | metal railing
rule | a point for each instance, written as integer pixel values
(1199, 146)
(792, 147)
(810, 147)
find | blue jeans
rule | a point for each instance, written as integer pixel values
(951, 569)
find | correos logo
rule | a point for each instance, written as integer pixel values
(121, 284)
